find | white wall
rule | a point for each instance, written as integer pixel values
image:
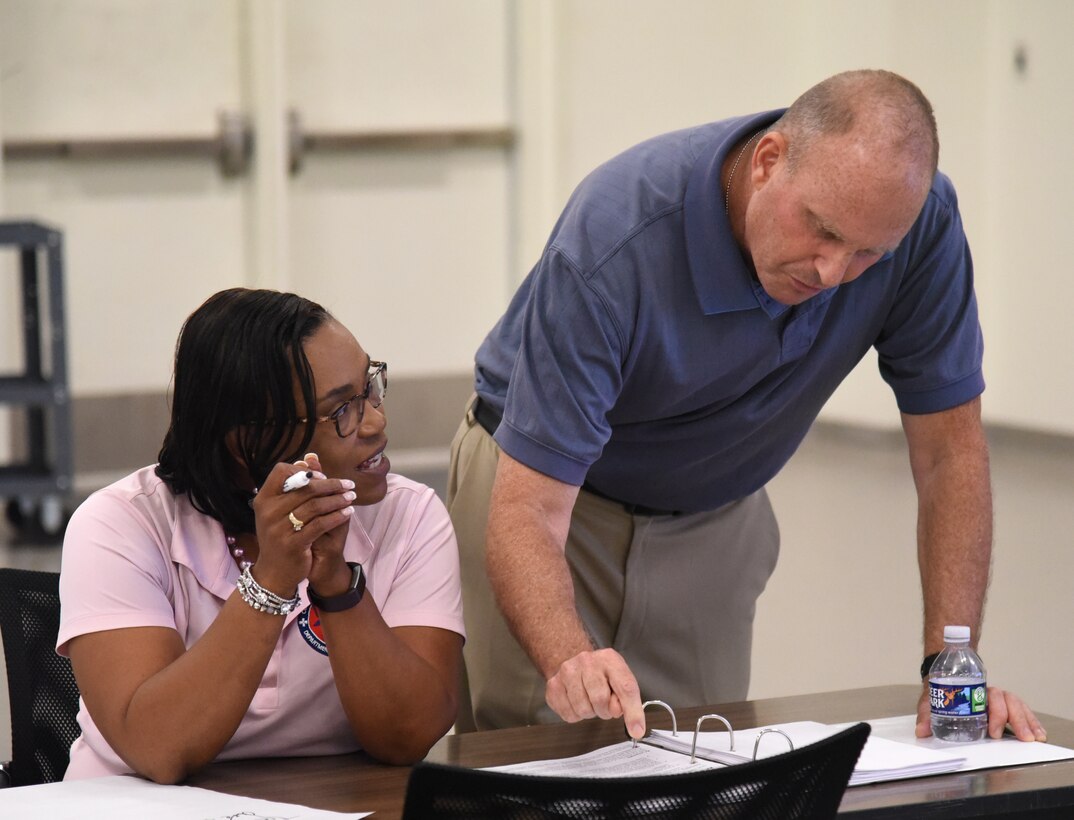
(409, 248)
(1028, 204)
(372, 231)
(366, 232)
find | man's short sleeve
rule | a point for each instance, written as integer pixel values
(567, 376)
(931, 347)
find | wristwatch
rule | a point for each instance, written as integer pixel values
(926, 664)
(348, 599)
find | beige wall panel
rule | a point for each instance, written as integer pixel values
(407, 248)
(1031, 199)
(358, 64)
(117, 67)
(843, 608)
(630, 71)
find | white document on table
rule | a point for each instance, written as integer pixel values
(892, 752)
(122, 797)
(984, 754)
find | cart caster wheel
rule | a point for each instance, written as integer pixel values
(34, 521)
(51, 516)
(18, 511)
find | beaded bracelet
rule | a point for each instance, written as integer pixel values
(264, 600)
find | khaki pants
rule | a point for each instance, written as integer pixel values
(675, 595)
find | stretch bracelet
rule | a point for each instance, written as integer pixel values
(264, 600)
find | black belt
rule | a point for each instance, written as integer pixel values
(489, 419)
(633, 509)
(486, 416)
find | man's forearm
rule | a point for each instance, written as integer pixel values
(529, 516)
(955, 549)
(954, 528)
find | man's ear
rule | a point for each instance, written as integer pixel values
(770, 150)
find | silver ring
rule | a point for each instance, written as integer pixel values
(298, 525)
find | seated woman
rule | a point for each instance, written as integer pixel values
(211, 612)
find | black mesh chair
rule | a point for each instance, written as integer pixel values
(41, 685)
(805, 784)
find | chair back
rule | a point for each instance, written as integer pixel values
(41, 686)
(804, 784)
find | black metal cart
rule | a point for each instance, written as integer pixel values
(37, 485)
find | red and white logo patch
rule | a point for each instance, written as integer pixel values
(311, 629)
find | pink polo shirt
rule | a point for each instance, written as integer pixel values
(135, 554)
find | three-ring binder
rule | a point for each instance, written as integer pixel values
(728, 758)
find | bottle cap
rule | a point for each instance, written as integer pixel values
(956, 634)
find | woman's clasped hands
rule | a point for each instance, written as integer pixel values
(301, 533)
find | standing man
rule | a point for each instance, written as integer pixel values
(700, 298)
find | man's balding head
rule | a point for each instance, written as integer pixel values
(886, 114)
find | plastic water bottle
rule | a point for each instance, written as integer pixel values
(957, 690)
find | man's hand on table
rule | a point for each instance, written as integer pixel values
(1004, 708)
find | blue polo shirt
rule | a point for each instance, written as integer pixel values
(641, 355)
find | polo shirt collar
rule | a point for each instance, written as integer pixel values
(199, 544)
(722, 280)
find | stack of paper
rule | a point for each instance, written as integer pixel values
(881, 759)
(984, 754)
(892, 752)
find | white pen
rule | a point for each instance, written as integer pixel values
(297, 481)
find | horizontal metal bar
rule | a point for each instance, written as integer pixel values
(157, 146)
(110, 147)
(29, 390)
(231, 146)
(417, 139)
(24, 480)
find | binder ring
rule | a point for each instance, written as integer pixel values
(757, 742)
(674, 723)
(702, 719)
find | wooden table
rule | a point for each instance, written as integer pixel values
(357, 783)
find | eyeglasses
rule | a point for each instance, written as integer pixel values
(348, 416)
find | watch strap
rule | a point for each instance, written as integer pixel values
(348, 600)
(926, 664)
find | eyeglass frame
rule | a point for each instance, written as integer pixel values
(375, 369)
